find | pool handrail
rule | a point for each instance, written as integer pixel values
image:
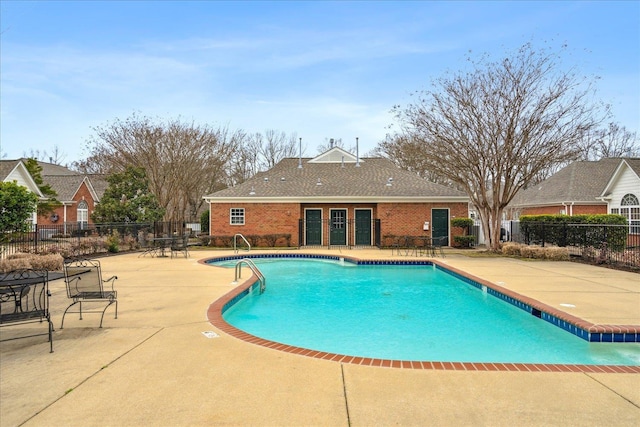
(235, 247)
(254, 268)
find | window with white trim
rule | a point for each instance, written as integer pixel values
(630, 209)
(83, 214)
(236, 216)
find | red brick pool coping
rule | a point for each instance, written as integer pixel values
(214, 314)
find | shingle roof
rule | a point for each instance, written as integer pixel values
(6, 166)
(62, 180)
(65, 185)
(338, 181)
(581, 181)
(634, 163)
(53, 169)
(99, 183)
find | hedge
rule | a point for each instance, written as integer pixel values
(577, 230)
(263, 240)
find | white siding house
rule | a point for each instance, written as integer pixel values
(16, 171)
(622, 192)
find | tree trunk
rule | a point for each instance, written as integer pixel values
(484, 221)
(496, 225)
(491, 224)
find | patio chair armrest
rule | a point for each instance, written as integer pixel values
(111, 279)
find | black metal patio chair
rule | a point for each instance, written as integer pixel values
(437, 246)
(180, 245)
(83, 279)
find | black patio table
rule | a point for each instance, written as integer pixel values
(24, 297)
(162, 243)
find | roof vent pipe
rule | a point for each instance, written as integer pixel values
(342, 161)
(300, 155)
(357, 154)
(331, 143)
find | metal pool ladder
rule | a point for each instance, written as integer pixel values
(235, 246)
(256, 271)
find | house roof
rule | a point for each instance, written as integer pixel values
(99, 183)
(15, 170)
(629, 163)
(66, 182)
(53, 169)
(62, 180)
(6, 167)
(580, 182)
(66, 186)
(337, 176)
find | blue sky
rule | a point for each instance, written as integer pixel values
(320, 69)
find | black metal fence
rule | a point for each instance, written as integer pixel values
(73, 239)
(613, 244)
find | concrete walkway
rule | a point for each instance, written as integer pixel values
(153, 366)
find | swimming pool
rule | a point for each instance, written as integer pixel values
(396, 312)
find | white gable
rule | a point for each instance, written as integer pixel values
(21, 176)
(335, 155)
(624, 181)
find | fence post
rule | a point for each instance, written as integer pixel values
(35, 239)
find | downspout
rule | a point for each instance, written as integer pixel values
(64, 218)
(570, 210)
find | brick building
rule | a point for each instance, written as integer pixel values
(78, 194)
(336, 199)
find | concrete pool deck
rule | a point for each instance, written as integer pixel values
(154, 366)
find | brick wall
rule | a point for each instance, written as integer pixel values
(276, 218)
(83, 193)
(408, 218)
(260, 219)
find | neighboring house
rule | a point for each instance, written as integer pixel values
(16, 171)
(336, 199)
(78, 193)
(610, 185)
(622, 192)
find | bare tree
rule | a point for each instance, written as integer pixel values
(96, 163)
(276, 147)
(612, 141)
(56, 156)
(261, 152)
(491, 129)
(245, 163)
(329, 143)
(183, 161)
(408, 154)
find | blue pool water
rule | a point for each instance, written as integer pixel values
(404, 313)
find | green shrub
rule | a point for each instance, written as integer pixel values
(577, 230)
(204, 222)
(464, 241)
(113, 242)
(464, 223)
